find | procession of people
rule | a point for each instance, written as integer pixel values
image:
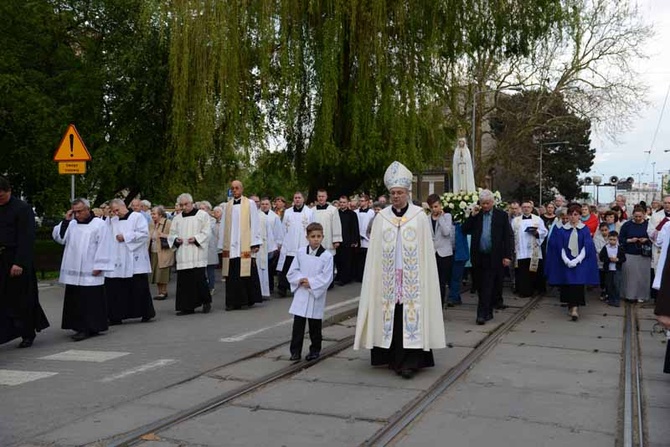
(410, 258)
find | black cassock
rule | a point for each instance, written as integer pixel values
(242, 291)
(20, 311)
(663, 304)
(344, 257)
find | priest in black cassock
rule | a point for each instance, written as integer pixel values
(240, 239)
(344, 257)
(20, 311)
(86, 257)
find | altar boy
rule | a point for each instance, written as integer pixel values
(309, 276)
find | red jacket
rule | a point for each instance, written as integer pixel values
(592, 223)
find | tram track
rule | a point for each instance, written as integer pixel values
(394, 426)
(632, 412)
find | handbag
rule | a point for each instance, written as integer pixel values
(645, 250)
(164, 243)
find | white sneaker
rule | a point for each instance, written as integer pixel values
(640, 301)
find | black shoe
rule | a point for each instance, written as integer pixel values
(450, 304)
(489, 317)
(79, 336)
(229, 308)
(185, 312)
(295, 357)
(160, 297)
(146, 319)
(502, 306)
(481, 321)
(206, 308)
(281, 293)
(115, 322)
(312, 356)
(407, 373)
(26, 342)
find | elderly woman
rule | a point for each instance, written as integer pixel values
(589, 219)
(162, 256)
(636, 270)
(572, 261)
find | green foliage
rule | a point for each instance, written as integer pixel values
(522, 130)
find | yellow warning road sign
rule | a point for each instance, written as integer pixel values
(72, 167)
(72, 148)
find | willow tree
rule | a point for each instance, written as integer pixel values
(345, 86)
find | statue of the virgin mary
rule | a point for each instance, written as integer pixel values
(464, 175)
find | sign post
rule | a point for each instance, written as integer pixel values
(72, 155)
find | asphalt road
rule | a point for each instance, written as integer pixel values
(58, 381)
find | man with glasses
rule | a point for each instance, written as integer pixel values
(87, 255)
(20, 311)
(127, 286)
(189, 234)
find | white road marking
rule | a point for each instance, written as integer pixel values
(245, 335)
(74, 355)
(129, 372)
(11, 378)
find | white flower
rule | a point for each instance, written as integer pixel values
(451, 206)
(462, 205)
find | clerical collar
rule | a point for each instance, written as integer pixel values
(321, 207)
(667, 214)
(237, 201)
(126, 216)
(527, 217)
(193, 212)
(298, 210)
(88, 220)
(401, 212)
(267, 212)
(363, 210)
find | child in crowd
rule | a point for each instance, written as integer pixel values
(309, 276)
(600, 241)
(613, 256)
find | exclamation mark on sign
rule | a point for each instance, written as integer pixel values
(71, 145)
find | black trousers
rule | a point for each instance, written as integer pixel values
(273, 259)
(283, 285)
(489, 277)
(444, 273)
(361, 256)
(344, 264)
(298, 335)
(573, 294)
(527, 282)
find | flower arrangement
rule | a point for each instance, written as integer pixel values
(461, 204)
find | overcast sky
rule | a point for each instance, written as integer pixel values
(626, 157)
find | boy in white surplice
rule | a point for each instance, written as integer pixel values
(309, 276)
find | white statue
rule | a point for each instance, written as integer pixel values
(464, 175)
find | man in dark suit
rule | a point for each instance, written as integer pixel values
(490, 251)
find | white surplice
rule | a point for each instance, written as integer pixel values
(131, 256)
(525, 242)
(87, 248)
(235, 240)
(310, 302)
(400, 243)
(329, 219)
(295, 235)
(364, 218)
(190, 256)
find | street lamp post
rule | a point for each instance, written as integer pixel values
(551, 143)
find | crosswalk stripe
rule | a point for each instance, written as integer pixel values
(10, 377)
(142, 368)
(75, 355)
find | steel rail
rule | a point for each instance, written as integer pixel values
(633, 415)
(414, 409)
(135, 436)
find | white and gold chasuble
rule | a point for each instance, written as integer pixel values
(400, 244)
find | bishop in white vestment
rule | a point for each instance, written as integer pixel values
(295, 223)
(189, 235)
(127, 286)
(239, 242)
(400, 313)
(529, 233)
(86, 257)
